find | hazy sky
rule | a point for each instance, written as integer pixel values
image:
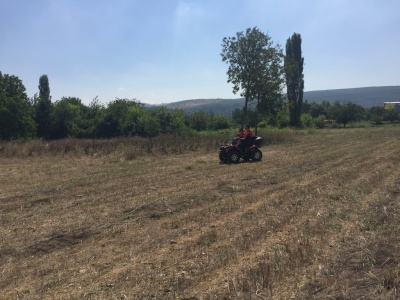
(161, 51)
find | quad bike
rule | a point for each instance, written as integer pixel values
(248, 149)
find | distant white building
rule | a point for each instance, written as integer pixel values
(396, 105)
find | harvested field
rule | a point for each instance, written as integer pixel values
(317, 218)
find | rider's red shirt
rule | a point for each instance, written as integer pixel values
(248, 133)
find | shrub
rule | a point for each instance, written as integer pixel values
(283, 119)
(377, 119)
(219, 122)
(307, 121)
(263, 124)
(320, 121)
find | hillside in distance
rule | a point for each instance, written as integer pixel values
(366, 97)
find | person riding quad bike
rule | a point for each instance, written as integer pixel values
(245, 146)
(246, 139)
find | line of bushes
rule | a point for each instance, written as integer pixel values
(135, 146)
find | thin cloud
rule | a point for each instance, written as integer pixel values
(185, 16)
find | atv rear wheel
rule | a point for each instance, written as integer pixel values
(257, 155)
(234, 157)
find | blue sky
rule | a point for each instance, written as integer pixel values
(161, 51)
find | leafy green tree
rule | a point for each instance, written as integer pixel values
(198, 121)
(92, 115)
(375, 115)
(314, 109)
(177, 124)
(376, 119)
(320, 121)
(16, 112)
(307, 121)
(171, 120)
(218, 122)
(327, 109)
(148, 125)
(283, 119)
(293, 64)
(68, 118)
(237, 116)
(253, 65)
(268, 91)
(130, 123)
(269, 109)
(252, 116)
(390, 113)
(347, 113)
(119, 118)
(306, 109)
(375, 110)
(43, 108)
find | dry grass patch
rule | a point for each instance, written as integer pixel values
(316, 219)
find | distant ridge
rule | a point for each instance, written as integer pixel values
(364, 96)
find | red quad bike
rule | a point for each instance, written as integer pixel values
(233, 152)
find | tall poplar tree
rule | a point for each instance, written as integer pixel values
(43, 108)
(293, 65)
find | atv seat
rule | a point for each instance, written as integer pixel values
(254, 140)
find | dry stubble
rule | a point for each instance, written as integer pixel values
(308, 222)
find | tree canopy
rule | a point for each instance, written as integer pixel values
(16, 113)
(71, 118)
(254, 65)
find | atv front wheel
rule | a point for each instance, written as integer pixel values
(234, 157)
(223, 157)
(257, 155)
